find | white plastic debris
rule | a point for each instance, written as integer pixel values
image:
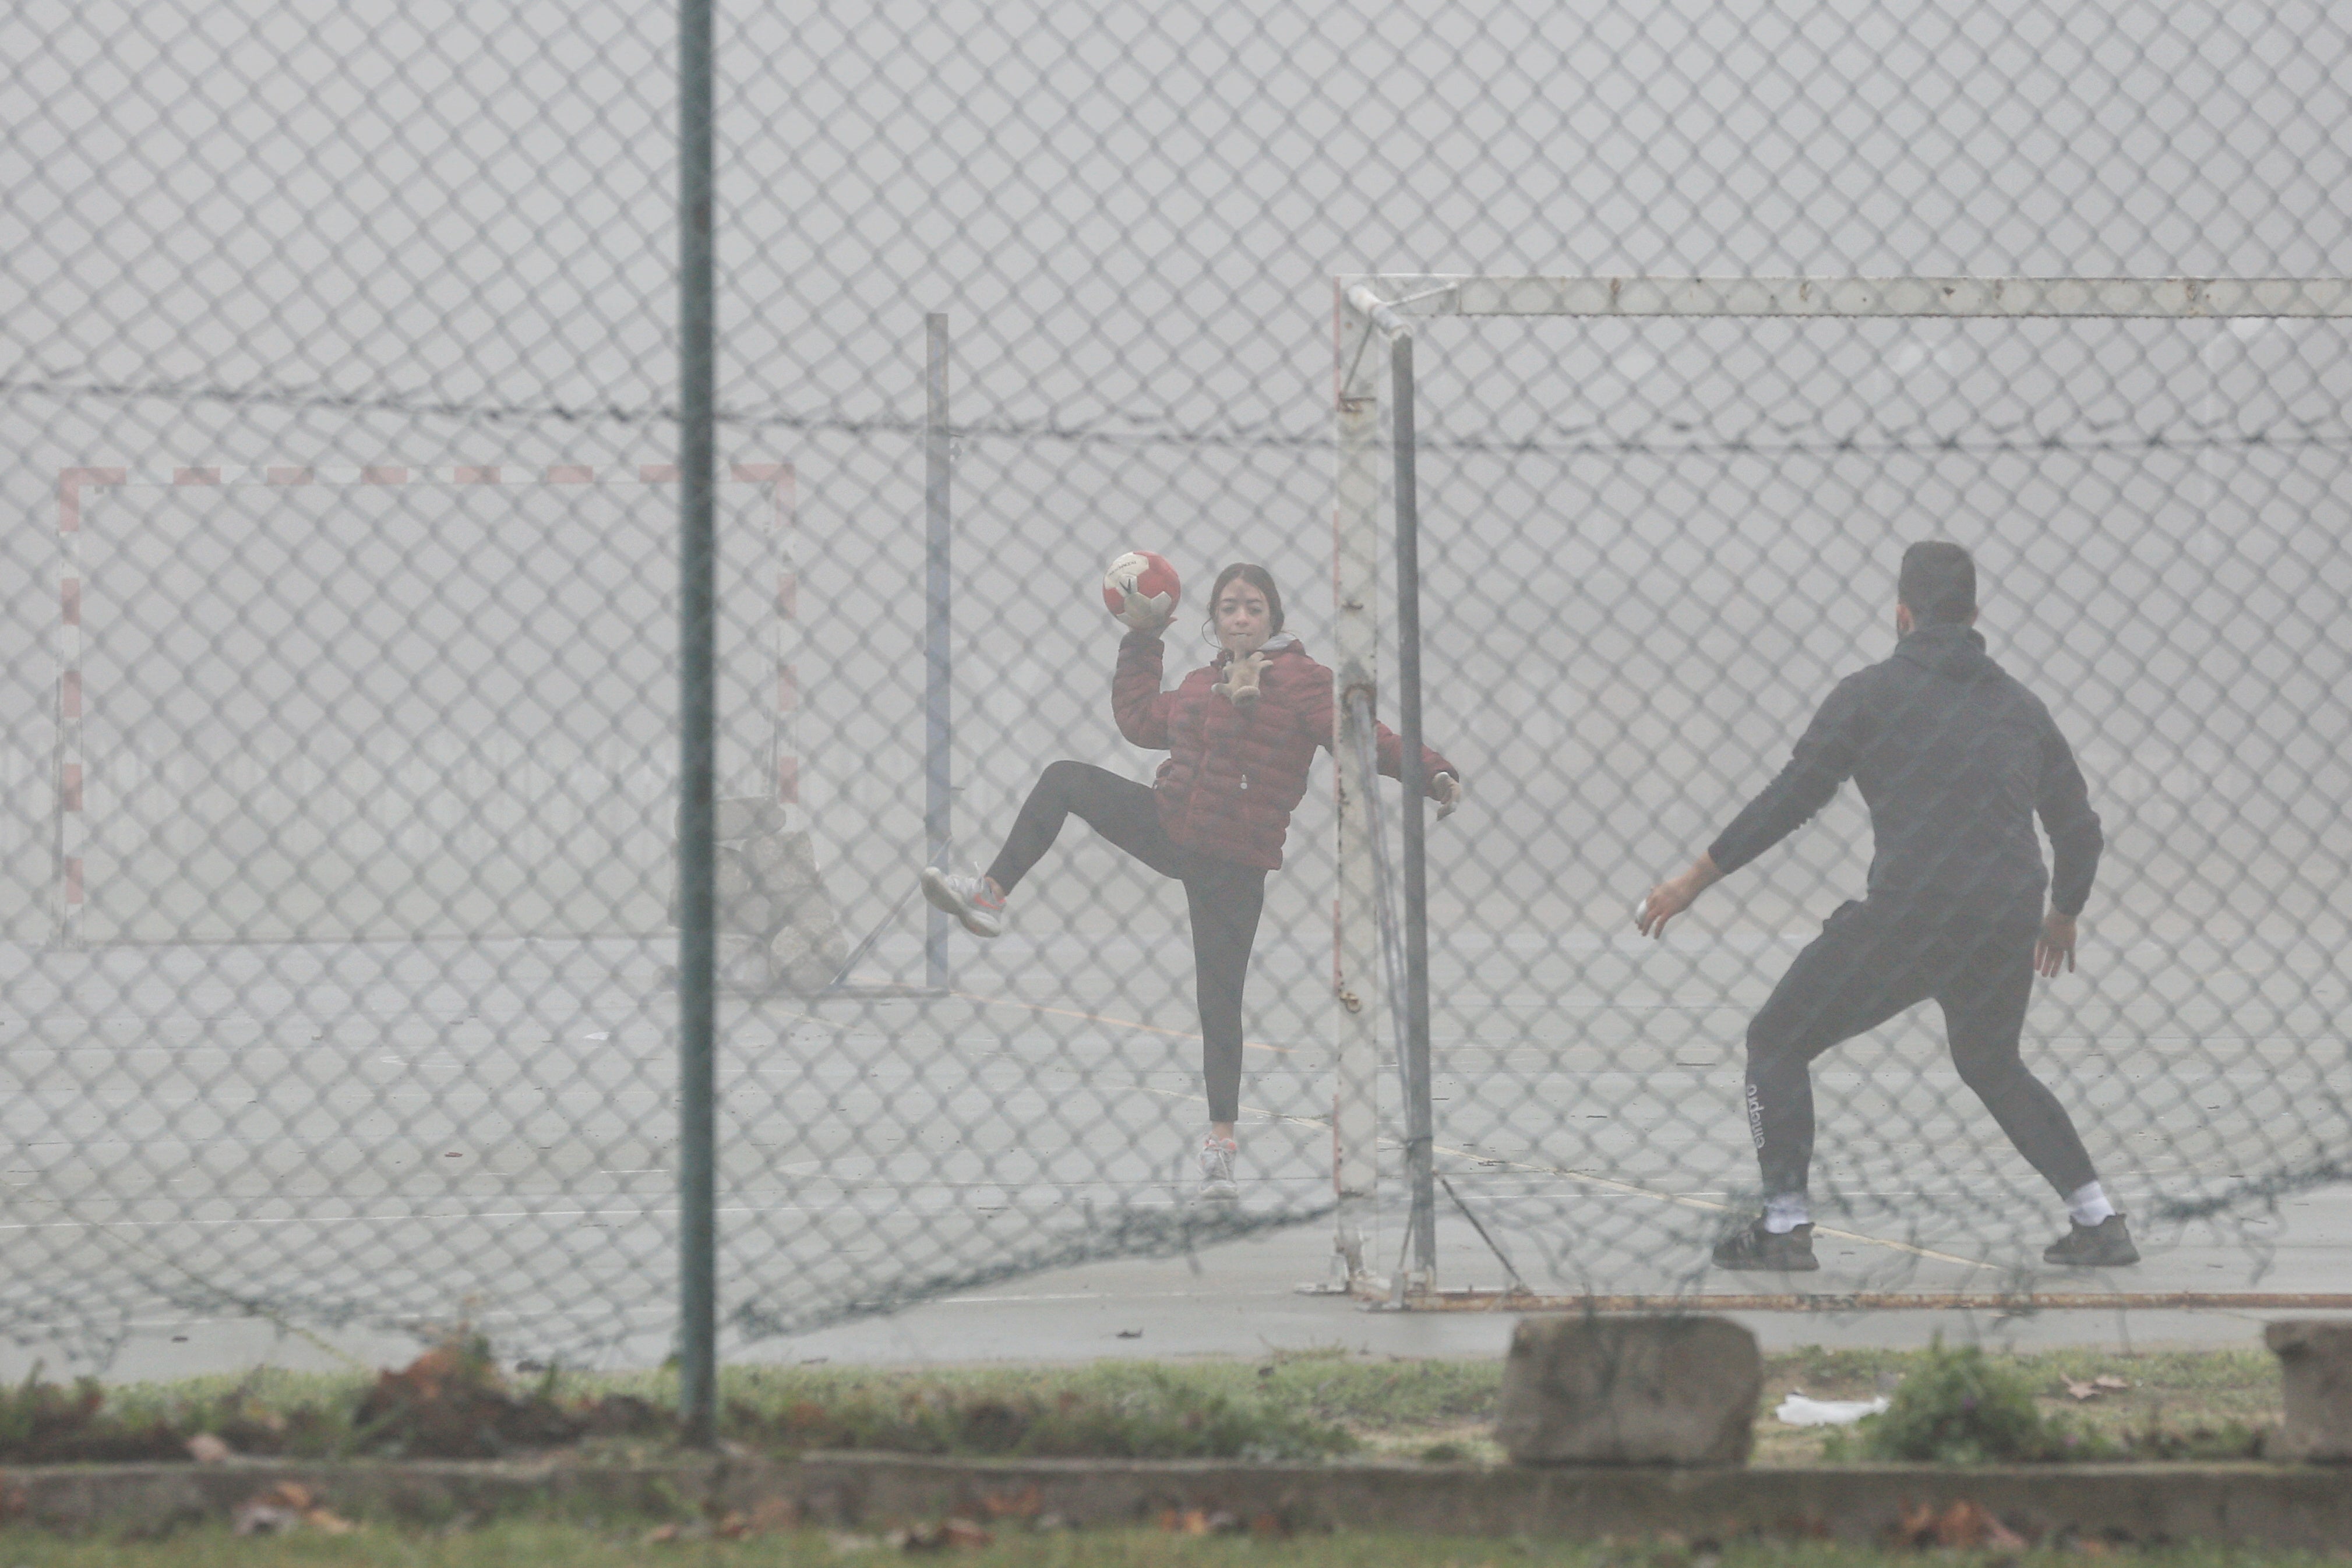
(1796, 1410)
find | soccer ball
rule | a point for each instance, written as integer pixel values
(1153, 582)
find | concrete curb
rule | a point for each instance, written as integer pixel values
(2272, 1505)
(147, 1498)
(2293, 1506)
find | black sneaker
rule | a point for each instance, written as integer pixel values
(1753, 1246)
(2104, 1244)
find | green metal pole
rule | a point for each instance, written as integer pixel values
(697, 1295)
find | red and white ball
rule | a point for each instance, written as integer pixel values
(1151, 579)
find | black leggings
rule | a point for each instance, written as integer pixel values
(1873, 961)
(1226, 898)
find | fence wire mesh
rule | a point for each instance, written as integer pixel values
(339, 350)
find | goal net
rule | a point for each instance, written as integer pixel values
(1658, 519)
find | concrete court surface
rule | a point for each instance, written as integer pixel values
(175, 1054)
(1242, 1300)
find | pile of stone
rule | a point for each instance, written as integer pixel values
(776, 926)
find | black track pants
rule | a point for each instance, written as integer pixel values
(1873, 961)
(1226, 898)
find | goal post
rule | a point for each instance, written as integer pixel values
(1375, 320)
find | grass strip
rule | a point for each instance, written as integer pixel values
(1295, 1405)
(525, 1545)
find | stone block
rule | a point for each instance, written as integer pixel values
(741, 963)
(805, 955)
(744, 817)
(1604, 1390)
(783, 864)
(2315, 1376)
(753, 913)
(731, 874)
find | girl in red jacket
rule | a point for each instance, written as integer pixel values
(1241, 733)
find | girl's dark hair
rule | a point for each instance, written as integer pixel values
(1257, 577)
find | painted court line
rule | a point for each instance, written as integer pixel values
(1632, 1189)
(1105, 1017)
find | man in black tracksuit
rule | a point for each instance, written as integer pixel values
(1953, 759)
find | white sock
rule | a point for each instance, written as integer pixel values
(2088, 1205)
(1786, 1212)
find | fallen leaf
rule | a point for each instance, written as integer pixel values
(2110, 1382)
(262, 1519)
(1130, 1334)
(1201, 1521)
(964, 1532)
(206, 1448)
(2082, 1390)
(775, 1513)
(326, 1522)
(276, 1510)
(930, 1537)
(1022, 1504)
(1962, 1524)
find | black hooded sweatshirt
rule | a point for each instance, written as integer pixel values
(1953, 757)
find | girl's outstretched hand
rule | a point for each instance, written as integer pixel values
(1240, 686)
(1446, 791)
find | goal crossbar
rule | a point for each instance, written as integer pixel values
(2183, 299)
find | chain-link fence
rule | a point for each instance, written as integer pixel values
(340, 370)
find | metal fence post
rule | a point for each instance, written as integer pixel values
(1355, 937)
(1419, 1120)
(939, 824)
(697, 939)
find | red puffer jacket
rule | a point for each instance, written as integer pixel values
(1236, 774)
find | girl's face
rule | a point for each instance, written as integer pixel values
(1244, 619)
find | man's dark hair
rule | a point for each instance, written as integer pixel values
(1938, 582)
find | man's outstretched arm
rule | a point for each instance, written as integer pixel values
(1823, 760)
(2064, 803)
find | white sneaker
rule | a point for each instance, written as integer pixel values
(1217, 1183)
(968, 898)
